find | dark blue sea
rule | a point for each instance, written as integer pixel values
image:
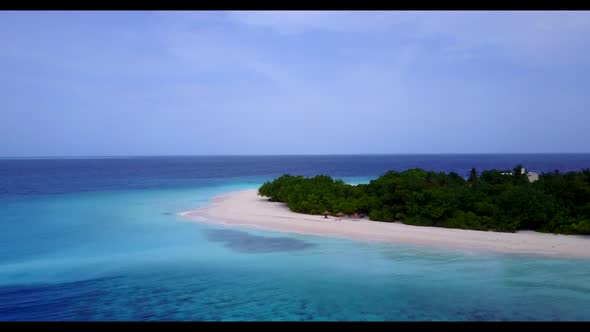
(95, 239)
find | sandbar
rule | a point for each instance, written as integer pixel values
(246, 208)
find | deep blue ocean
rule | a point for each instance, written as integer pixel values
(94, 239)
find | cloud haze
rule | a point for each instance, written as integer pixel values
(155, 83)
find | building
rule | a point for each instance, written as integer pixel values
(532, 176)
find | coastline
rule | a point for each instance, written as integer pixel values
(246, 208)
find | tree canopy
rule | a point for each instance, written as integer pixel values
(493, 200)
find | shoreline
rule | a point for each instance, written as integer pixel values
(246, 208)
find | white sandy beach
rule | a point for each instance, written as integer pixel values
(246, 208)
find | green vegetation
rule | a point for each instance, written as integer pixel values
(493, 200)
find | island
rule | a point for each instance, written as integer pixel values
(506, 211)
(504, 201)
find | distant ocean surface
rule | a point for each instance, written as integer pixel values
(92, 239)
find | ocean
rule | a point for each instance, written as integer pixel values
(99, 239)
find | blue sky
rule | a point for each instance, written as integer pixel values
(184, 83)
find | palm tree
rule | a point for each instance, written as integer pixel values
(472, 175)
(518, 175)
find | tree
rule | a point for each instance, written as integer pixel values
(558, 202)
(472, 175)
(518, 175)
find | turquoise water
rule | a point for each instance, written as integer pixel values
(126, 255)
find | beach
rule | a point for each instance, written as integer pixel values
(246, 208)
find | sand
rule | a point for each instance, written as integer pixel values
(246, 208)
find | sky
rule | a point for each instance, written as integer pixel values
(279, 82)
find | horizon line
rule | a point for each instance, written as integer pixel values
(286, 155)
